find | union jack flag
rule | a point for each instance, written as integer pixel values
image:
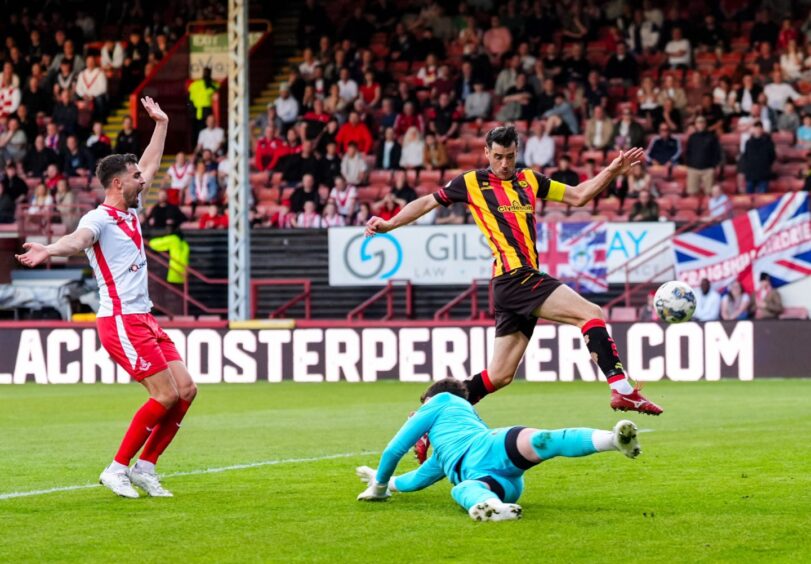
(775, 238)
(575, 253)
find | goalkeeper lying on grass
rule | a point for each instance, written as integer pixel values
(485, 465)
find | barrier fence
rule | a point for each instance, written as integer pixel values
(417, 351)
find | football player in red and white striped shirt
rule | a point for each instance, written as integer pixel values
(111, 237)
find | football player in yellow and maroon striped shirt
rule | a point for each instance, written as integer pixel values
(502, 201)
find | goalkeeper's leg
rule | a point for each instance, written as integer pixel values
(483, 498)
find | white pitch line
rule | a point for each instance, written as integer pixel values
(12, 495)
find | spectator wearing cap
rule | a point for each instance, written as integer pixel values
(286, 107)
(702, 155)
(354, 131)
(757, 160)
(664, 149)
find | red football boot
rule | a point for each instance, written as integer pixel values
(421, 448)
(633, 402)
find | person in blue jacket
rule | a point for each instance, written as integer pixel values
(486, 466)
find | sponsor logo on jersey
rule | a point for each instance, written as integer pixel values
(143, 364)
(516, 206)
(138, 266)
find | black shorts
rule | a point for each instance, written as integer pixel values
(516, 295)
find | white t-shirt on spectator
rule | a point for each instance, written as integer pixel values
(708, 308)
(211, 139)
(540, 151)
(348, 90)
(286, 109)
(673, 47)
(777, 94)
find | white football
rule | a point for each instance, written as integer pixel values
(675, 302)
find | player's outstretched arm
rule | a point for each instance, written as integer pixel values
(585, 192)
(151, 159)
(411, 212)
(36, 253)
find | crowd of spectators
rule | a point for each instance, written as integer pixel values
(716, 93)
(62, 68)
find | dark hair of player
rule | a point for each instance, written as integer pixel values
(450, 385)
(111, 166)
(504, 135)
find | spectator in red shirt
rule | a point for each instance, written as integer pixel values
(354, 131)
(214, 218)
(267, 149)
(787, 33)
(409, 118)
(316, 119)
(370, 91)
(387, 208)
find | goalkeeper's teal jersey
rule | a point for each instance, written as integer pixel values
(453, 427)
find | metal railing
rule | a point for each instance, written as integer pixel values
(356, 314)
(184, 295)
(471, 292)
(305, 296)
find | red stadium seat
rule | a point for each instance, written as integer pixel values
(610, 204)
(686, 216)
(623, 314)
(430, 177)
(764, 199)
(380, 177)
(794, 313)
(688, 203)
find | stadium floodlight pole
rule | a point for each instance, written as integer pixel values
(239, 232)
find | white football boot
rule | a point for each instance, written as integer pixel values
(148, 481)
(625, 438)
(495, 510)
(119, 482)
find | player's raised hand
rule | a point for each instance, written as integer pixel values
(377, 225)
(154, 110)
(626, 160)
(35, 254)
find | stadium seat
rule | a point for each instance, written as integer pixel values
(610, 204)
(430, 177)
(380, 176)
(686, 216)
(581, 215)
(794, 313)
(670, 187)
(627, 314)
(688, 203)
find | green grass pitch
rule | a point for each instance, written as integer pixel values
(725, 476)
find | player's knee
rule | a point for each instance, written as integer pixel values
(591, 311)
(167, 398)
(501, 378)
(188, 392)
